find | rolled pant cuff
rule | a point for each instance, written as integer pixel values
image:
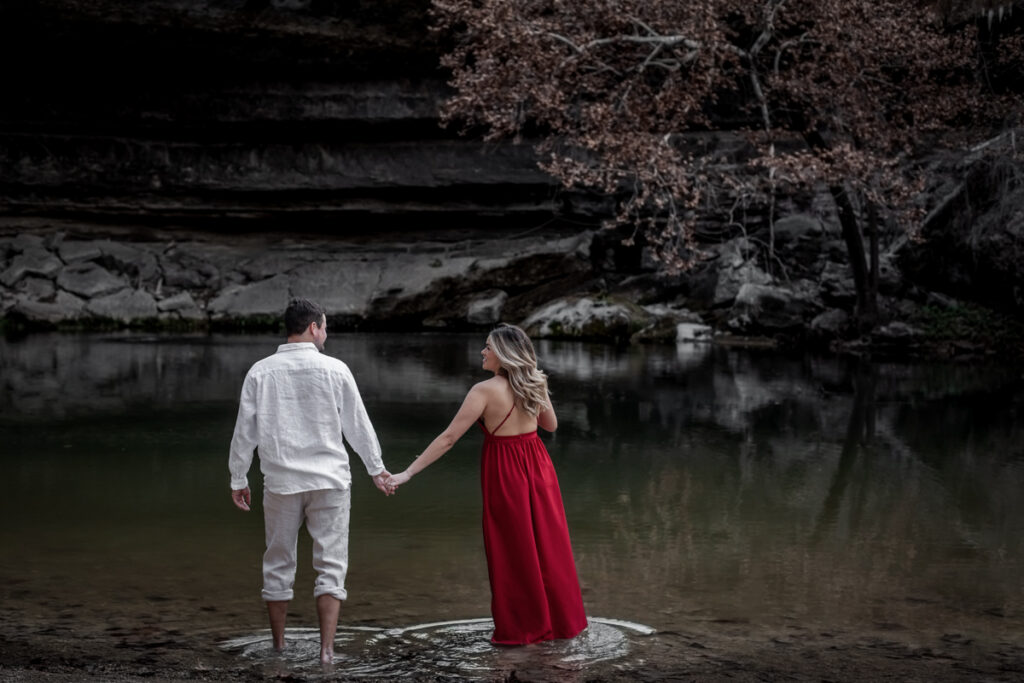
(274, 596)
(339, 593)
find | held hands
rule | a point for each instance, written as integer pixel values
(380, 481)
(396, 480)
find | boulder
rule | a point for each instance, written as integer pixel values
(127, 305)
(37, 288)
(73, 251)
(896, 332)
(25, 241)
(763, 308)
(794, 227)
(64, 307)
(268, 264)
(345, 289)
(181, 304)
(664, 323)
(486, 309)
(264, 298)
(132, 260)
(831, 324)
(586, 317)
(837, 286)
(31, 261)
(194, 275)
(89, 280)
(694, 332)
(736, 269)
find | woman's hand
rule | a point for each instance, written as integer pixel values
(396, 480)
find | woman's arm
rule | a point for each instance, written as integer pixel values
(546, 419)
(471, 410)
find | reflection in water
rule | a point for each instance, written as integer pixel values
(860, 433)
(707, 490)
(451, 648)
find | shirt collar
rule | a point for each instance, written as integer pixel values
(296, 346)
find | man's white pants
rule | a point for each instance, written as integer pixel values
(325, 513)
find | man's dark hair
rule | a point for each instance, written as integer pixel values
(300, 313)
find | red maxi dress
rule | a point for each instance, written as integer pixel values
(535, 593)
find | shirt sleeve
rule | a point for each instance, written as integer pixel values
(356, 426)
(244, 440)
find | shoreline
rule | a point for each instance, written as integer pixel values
(73, 279)
(928, 350)
(732, 654)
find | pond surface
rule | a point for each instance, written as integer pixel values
(711, 494)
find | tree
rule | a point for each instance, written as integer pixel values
(833, 93)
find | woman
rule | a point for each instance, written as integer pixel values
(535, 594)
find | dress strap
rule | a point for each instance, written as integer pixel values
(502, 423)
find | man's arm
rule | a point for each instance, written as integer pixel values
(243, 443)
(359, 432)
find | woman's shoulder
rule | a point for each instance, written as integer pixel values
(490, 386)
(495, 382)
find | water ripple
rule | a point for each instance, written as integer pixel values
(459, 648)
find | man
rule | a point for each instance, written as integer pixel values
(295, 407)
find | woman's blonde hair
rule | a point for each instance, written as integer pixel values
(519, 364)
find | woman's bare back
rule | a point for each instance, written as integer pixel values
(499, 403)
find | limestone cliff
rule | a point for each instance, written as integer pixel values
(280, 115)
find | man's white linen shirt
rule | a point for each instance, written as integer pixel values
(296, 407)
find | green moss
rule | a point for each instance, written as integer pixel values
(99, 324)
(251, 323)
(970, 322)
(255, 323)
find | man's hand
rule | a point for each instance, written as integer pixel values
(380, 481)
(242, 498)
(396, 480)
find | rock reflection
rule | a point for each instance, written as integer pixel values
(724, 486)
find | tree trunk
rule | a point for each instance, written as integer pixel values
(873, 246)
(866, 312)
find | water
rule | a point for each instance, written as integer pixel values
(714, 497)
(452, 648)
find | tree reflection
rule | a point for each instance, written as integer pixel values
(860, 435)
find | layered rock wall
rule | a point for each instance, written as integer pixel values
(195, 162)
(51, 277)
(244, 115)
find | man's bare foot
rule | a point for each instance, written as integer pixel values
(327, 659)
